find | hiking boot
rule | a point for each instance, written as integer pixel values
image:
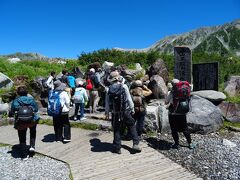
(32, 149)
(66, 140)
(175, 146)
(191, 146)
(83, 118)
(136, 148)
(117, 151)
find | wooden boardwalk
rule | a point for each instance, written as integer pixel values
(90, 156)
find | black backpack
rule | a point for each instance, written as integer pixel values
(25, 114)
(117, 97)
(94, 80)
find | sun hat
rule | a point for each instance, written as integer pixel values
(59, 86)
(138, 83)
(114, 76)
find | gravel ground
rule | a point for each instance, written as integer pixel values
(216, 156)
(36, 167)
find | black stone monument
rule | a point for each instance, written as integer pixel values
(205, 76)
(183, 63)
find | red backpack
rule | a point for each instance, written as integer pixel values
(89, 85)
(181, 96)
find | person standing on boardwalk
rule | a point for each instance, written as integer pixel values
(58, 108)
(93, 94)
(25, 109)
(80, 99)
(178, 101)
(120, 104)
(139, 92)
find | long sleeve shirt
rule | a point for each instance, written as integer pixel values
(50, 82)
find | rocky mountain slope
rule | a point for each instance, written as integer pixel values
(223, 39)
(32, 56)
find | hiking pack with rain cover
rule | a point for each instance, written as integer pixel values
(117, 99)
(181, 96)
(54, 104)
(118, 103)
(138, 99)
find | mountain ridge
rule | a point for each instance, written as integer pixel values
(220, 39)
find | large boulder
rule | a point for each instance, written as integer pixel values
(231, 111)
(233, 86)
(158, 87)
(204, 116)
(151, 121)
(95, 65)
(158, 68)
(107, 65)
(78, 72)
(38, 91)
(156, 118)
(211, 95)
(20, 80)
(164, 125)
(4, 108)
(5, 82)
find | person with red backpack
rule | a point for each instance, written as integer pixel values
(93, 94)
(178, 100)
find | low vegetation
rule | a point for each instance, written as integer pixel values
(87, 126)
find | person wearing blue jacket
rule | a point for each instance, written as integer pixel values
(23, 99)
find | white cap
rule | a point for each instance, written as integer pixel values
(175, 81)
(92, 70)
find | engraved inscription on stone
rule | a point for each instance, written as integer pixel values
(183, 63)
(205, 76)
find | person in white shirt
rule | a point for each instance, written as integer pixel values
(61, 122)
(50, 80)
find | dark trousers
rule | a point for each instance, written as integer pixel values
(139, 117)
(117, 125)
(62, 127)
(23, 133)
(178, 123)
(81, 107)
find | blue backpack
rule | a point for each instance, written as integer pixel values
(54, 104)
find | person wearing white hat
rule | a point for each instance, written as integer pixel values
(80, 98)
(93, 93)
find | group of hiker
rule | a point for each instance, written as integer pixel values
(124, 102)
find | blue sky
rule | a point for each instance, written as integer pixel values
(65, 28)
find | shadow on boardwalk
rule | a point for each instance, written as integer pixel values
(98, 146)
(49, 138)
